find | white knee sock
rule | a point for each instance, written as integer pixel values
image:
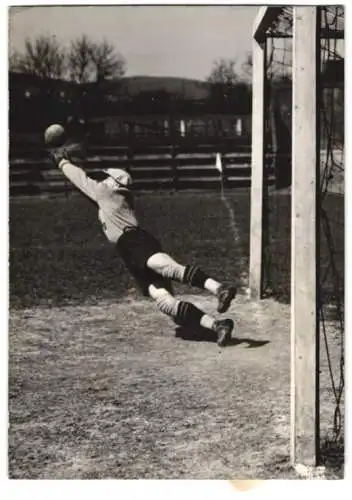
(166, 266)
(207, 321)
(212, 286)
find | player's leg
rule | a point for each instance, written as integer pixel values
(167, 267)
(186, 313)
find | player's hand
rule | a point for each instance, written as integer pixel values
(71, 152)
(56, 155)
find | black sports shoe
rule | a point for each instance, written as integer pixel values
(223, 328)
(225, 295)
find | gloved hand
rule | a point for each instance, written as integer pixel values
(72, 152)
(58, 154)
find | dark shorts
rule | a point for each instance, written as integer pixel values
(135, 247)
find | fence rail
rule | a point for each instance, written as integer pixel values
(161, 168)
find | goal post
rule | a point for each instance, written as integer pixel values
(304, 239)
(305, 160)
(297, 209)
(265, 18)
(257, 175)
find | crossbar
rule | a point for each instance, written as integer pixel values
(264, 19)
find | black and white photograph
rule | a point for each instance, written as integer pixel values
(176, 242)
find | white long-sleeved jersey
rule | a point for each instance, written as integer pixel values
(115, 203)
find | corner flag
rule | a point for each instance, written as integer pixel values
(218, 162)
(182, 128)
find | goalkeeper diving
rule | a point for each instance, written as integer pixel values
(143, 255)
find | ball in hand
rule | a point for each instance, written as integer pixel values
(55, 136)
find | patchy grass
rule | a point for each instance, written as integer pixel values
(59, 255)
(100, 383)
(112, 391)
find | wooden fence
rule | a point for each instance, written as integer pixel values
(163, 167)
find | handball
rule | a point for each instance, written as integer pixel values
(55, 136)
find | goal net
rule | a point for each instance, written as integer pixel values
(279, 69)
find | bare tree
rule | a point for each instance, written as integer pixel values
(224, 72)
(108, 63)
(247, 67)
(223, 79)
(90, 61)
(14, 61)
(42, 56)
(79, 60)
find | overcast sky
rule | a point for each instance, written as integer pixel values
(157, 41)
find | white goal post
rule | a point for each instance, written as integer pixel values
(305, 179)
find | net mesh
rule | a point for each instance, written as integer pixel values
(277, 198)
(278, 164)
(331, 207)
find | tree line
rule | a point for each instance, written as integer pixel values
(98, 68)
(84, 60)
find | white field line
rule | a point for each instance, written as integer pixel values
(236, 235)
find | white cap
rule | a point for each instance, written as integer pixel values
(120, 176)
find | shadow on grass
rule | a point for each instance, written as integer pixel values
(203, 335)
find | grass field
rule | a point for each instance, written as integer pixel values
(103, 386)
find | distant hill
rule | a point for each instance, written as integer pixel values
(131, 86)
(49, 99)
(183, 87)
(189, 89)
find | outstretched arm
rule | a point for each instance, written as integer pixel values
(79, 178)
(61, 157)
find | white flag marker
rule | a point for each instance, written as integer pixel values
(182, 128)
(218, 162)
